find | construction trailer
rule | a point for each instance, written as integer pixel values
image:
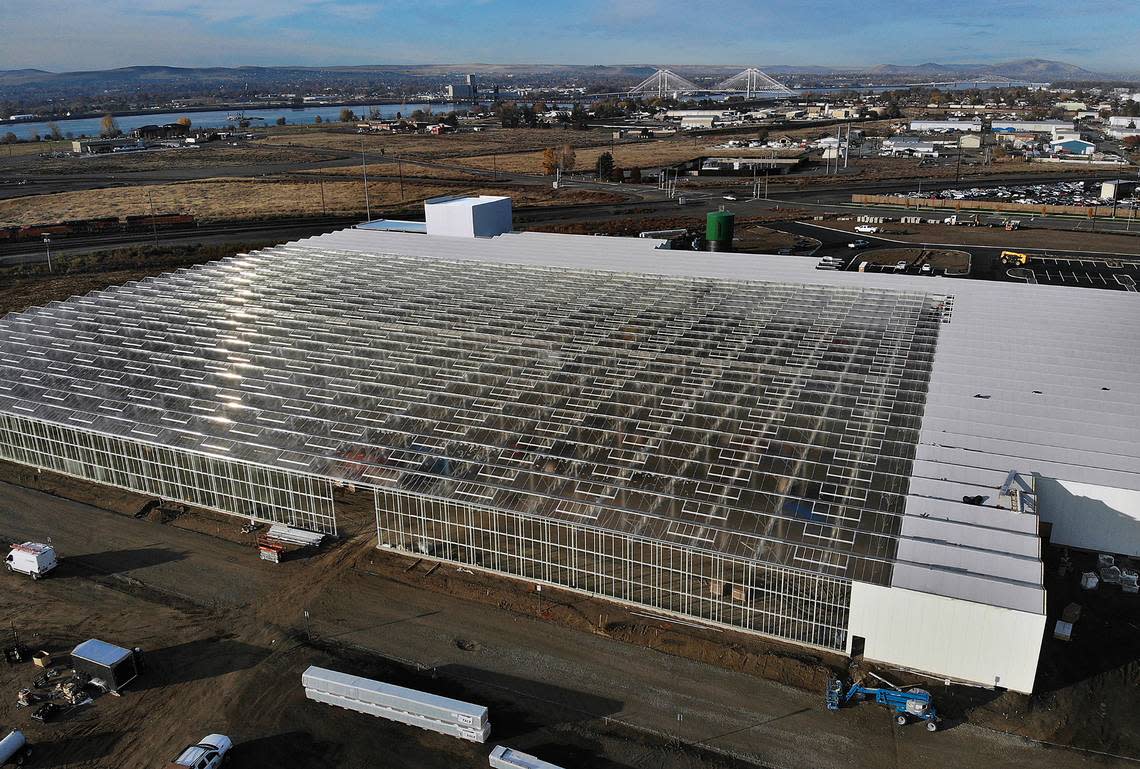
(741, 441)
(110, 667)
(503, 757)
(397, 703)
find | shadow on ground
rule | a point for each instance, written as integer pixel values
(195, 661)
(85, 750)
(115, 561)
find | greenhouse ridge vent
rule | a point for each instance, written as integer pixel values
(737, 439)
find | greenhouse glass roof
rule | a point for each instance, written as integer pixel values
(770, 420)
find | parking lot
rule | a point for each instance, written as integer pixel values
(1076, 193)
(1082, 273)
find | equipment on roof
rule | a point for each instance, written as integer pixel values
(913, 704)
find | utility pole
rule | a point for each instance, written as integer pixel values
(153, 223)
(364, 168)
(324, 211)
(400, 167)
(47, 246)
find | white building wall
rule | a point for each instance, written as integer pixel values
(468, 217)
(1091, 517)
(946, 637)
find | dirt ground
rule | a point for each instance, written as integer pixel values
(216, 665)
(997, 237)
(236, 199)
(949, 260)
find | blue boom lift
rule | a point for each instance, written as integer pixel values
(914, 704)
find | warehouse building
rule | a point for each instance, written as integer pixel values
(945, 126)
(852, 462)
(1031, 126)
(1072, 147)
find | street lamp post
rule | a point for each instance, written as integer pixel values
(364, 168)
(153, 222)
(47, 247)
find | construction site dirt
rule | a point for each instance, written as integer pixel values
(575, 680)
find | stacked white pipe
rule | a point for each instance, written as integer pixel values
(396, 703)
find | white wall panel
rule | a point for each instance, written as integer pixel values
(1091, 517)
(947, 637)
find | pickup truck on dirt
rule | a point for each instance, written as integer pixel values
(207, 754)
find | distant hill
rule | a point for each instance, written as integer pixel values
(1037, 70)
(156, 79)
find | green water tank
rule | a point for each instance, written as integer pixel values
(718, 230)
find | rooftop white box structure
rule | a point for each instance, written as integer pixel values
(483, 216)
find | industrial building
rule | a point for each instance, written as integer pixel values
(466, 93)
(910, 146)
(1030, 126)
(944, 126)
(1118, 189)
(1072, 147)
(854, 462)
(747, 166)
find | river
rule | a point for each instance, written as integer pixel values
(213, 119)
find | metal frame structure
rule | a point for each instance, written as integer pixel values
(730, 450)
(752, 82)
(664, 82)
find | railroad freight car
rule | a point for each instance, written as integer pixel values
(159, 221)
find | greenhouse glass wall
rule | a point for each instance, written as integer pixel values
(734, 451)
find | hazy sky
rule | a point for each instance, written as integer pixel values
(115, 33)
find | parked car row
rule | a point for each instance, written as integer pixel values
(1055, 194)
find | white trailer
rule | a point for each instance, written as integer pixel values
(503, 757)
(396, 703)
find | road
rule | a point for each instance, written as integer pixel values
(762, 722)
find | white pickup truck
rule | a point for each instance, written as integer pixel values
(32, 558)
(207, 754)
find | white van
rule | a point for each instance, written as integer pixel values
(867, 229)
(32, 558)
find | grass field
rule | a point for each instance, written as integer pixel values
(20, 149)
(234, 199)
(426, 146)
(214, 155)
